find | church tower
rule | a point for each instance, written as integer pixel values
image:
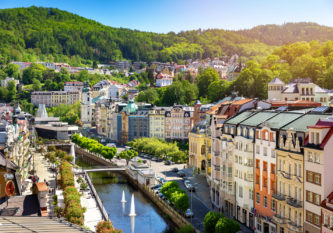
(86, 105)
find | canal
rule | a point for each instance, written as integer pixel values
(148, 219)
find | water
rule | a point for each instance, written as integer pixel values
(148, 219)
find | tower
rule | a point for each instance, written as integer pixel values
(86, 105)
(275, 88)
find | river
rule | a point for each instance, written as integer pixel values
(148, 219)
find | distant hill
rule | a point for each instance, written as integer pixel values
(288, 33)
(38, 33)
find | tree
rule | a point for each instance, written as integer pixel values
(218, 90)
(36, 86)
(208, 76)
(128, 155)
(94, 65)
(13, 70)
(226, 225)
(180, 200)
(186, 229)
(106, 227)
(210, 221)
(11, 94)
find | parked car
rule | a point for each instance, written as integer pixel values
(185, 179)
(181, 174)
(167, 162)
(156, 186)
(190, 187)
(154, 159)
(161, 196)
(189, 213)
(159, 160)
(157, 190)
(186, 182)
(175, 169)
(163, 181)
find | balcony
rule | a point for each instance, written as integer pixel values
(294, 227)
(286, 175)
(327, 228)
(293, 202)
(279, 219)
(279, 196)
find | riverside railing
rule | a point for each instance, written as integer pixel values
(98, 200)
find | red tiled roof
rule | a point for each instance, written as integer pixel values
(41, 186)
(241, 102)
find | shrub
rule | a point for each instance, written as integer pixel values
(186, 229)
(210, 221)
(83, 186)
(106, 227)
(226, 225)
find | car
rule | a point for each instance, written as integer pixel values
(144, 161)
(156, 186)
(157, 190)
(186, 182)
(175, 169)
(161, 195)
(189, 213)
(111, 145)
(190, 187)
(167, 162)
(181, 174)
(185, 179)
(163, 181)
(154, 159)
(145, 156)
(159, 160)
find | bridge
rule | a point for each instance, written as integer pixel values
(105, 169)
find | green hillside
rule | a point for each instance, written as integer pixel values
(49, 34)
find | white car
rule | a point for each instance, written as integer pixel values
(189, 213)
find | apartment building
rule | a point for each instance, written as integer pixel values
(289, 198)
(54, 98)
(327, 214)
(318, 174)
(265, 170)
(197, 147)
(157, 122)
(73, 86)
(178, 122)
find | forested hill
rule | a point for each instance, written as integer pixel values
(49, 34)
(288, 33)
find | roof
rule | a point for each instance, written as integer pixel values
(241, 102)
(282, 119)
(200, 127)
(290, 88)
(276, 80)
(259, 118)
(131, 107)
(37, 224)
(239, 118)
(303, 122)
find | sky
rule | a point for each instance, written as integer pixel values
(180, 15)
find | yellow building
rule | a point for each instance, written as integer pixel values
(197, 148)
(289, 217)
(157, 123)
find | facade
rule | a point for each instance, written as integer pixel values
(73, 86)
(157, 123)
(289, 198)
(197, 148)
(4, 82)
(115, 92)
(327, 214)
(163, 80)
(297, 89)
(56, 130)
(54, 98)
(318, 174)
(87, 106)
(178, 122)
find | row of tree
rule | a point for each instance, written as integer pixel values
(176, 195)
(94, 146)
(217, 223)
(159, 148)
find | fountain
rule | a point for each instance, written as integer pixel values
(132, 211)
(123, 198)
(132, 224)
(72, 152)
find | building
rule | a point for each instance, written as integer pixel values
(297, 89)
(73, 86)
(289, 197)
(178, 122)
(115, 92)
(157, 122)
(163, 80)
(327, 214)
(200, 110)
(4, 82)
(142, 173)
(318, 174)
(265, 170)
(54, 98)
(87, 113)
(197, 147)
(56, 130)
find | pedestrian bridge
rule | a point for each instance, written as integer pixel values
(104, 169)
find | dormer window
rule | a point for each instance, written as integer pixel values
(317, 138)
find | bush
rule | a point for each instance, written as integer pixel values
(186, 229)
(106, 227)
(83, 186)
(59, 211)
(226, 225)
(210, 221)
(67, 176)
(176, 195)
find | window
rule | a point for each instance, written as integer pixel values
(265, 151)
(310, 156)
(273, 153)
(272, 168)
(257, 149)
(240, 190)
(313, 198)
(325, 219)
(258, 198)
(265, 201)
(317, 158)
(251, 194)
(312, 218)
(258, 224)
(295, 169)
(273, 205)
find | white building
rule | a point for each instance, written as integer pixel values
(4, 82)
(163, 80)
(115, 91)
(297, 89)
(86, 106)
(73, 86)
